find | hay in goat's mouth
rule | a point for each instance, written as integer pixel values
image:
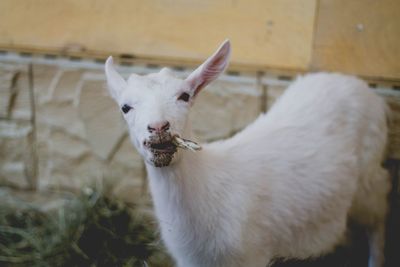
(186, 144)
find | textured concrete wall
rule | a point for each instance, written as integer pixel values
(81, 139)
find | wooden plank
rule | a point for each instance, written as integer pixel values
(267, 33)
(359, 37)
(394, 130)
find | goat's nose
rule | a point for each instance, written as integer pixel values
(158, 127)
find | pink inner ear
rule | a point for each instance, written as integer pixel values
(199, 87)
(210, 69)
(215, 66)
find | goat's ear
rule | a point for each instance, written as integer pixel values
(116, 84)
(210, 69)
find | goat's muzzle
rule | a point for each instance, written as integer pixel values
(162, 148)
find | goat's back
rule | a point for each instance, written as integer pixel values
(318, 114)
(303, 161)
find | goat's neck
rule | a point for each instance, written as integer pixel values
(171, 183)
(183, 185)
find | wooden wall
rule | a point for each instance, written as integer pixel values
(359, 36)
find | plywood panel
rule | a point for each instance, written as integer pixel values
(275, 33)
(358, 36)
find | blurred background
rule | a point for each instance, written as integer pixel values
(73, 190)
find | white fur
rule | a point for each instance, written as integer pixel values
(283, 187)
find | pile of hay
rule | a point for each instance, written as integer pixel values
(63, 229)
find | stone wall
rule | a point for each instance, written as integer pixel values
(79, 138)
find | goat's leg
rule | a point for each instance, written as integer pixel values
(378, 211)
(376, 239)
(370, 208)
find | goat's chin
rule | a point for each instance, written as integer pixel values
(162, 160)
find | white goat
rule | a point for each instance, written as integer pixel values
(283, 187)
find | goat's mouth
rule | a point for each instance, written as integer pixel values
(162, 149)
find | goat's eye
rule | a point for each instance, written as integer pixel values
(184, 97)
(125, 108)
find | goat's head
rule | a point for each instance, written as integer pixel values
(156, 106)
